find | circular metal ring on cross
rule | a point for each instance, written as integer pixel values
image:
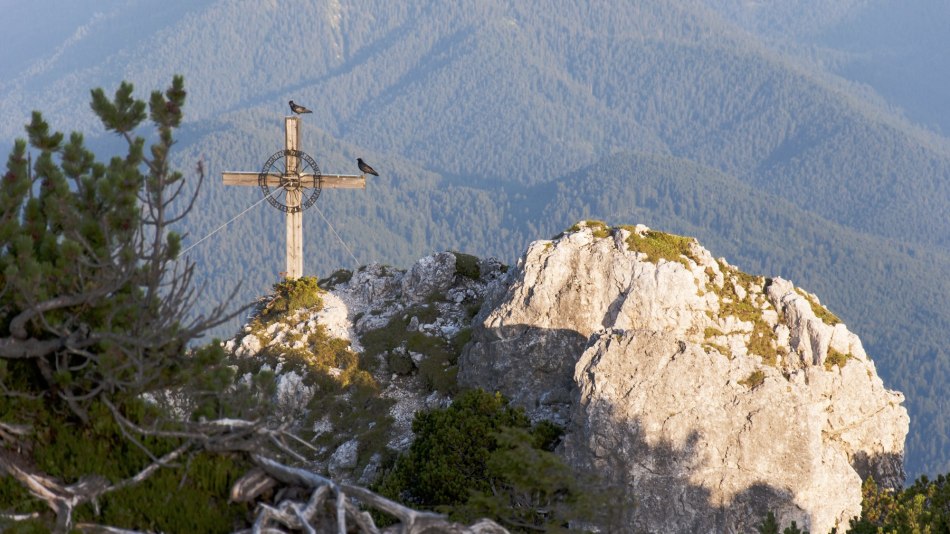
(298, 174)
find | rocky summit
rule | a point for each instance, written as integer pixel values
(708, 395)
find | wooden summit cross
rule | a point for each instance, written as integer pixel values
(290, 183)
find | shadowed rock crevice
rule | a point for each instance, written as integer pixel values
(886, 469)
(545, 387)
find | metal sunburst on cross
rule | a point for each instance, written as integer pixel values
(291, 181)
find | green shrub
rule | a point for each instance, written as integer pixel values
(439, 375)
(718, 348)
(532, 488)
(770, 526)
(922, 507)
(712, 332)
(461, 339)
(836, 358)
(472, 309)
(761, 342)
(68, 449)
(340, 276)
(439, 367)
(467, 265)
(479, 457)
(164, 504)
(343, 392)
(384, 339)
(352, 404)
(451, 446)
(400, 363)
(396, 333)
(599, 229)
(743, 310)
(660, 245)
(426, 313)
(292, 295)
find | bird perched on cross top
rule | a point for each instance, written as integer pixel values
(298, 109)
(365, 168)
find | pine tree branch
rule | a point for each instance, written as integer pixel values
(18, 323)
(21, 348)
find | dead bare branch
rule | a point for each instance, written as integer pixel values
(14, 348)
(252, 485)
(344, 512)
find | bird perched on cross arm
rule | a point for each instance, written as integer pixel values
(365, 168)
(298, 109)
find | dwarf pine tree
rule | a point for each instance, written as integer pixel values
(482, 458)
(93, 318)
(92, 298)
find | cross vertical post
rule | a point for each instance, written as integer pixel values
(294, 254)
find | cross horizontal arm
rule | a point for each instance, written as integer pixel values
(327, 181)
(342, 181)
(248, 178)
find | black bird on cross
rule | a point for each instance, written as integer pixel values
(298, 109)
(365, 168)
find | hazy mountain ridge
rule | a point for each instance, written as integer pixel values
(888, 45)
(494, 123)
(397, 83)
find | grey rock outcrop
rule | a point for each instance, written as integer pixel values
(431, 275)
(432, 298)
(710, 395)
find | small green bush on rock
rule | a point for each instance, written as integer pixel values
(400, 363)
(820, 311)
(836, 359)
(467, 265)
(770, 526)
(481, 458)
(340, 276)
(291, 295)
(659, 245)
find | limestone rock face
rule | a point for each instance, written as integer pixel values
(709, 395)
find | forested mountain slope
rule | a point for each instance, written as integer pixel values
(893, 46)
(494, 123)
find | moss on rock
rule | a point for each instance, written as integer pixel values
(660, 245)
